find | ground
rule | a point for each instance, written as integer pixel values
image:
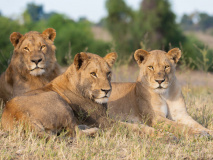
(119, 142)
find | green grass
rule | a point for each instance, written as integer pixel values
(118, 142)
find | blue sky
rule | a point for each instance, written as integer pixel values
(94, 10)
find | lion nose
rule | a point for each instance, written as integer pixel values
(160, 81)
(106, 90)
(36, 61)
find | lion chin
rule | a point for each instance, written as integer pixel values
(101, 100)
(160, 90)
(37, 72)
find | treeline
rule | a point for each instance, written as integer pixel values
(72, 37)
(197, 21)
(152, 26)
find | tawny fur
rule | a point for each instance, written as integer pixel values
(76, 97)
(33, 63)
(156, 95)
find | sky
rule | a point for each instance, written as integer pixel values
(94, 10)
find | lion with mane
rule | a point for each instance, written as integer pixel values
(33, 63)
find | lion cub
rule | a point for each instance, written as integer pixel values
(33, 63)
(78, 96)
(156, 96)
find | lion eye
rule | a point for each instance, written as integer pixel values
(93, 74)
(43, 46)
(26, 49)
(109, 74)
(151, 67)
(167, 66)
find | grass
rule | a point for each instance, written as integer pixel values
(118, 142)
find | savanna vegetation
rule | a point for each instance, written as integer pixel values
(152, 26)
(72, 37)
(119, 142)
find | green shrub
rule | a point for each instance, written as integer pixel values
(71, 37)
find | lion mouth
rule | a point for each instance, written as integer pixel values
(102, 97)
(160, 90)
(36, 68)
(102, 100)
(37, 71)
(159, 87)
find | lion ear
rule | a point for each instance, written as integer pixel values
(140, 55)
(50, 33)
(174, 54)
(79, 59)
(15, 37)
(110, 58)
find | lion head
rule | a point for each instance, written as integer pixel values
(93, 75)
(34, 52)
(157, 68)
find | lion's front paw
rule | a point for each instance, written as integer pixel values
(90, 131)
(85, 130)
(204, 133)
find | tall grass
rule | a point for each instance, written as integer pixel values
(118, 142)
(203, 63)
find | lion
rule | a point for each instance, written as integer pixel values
(78, 96)
(33, 63)
(75, 99)
(156, 96)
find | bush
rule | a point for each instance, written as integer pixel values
(71, 38)
(7, 26)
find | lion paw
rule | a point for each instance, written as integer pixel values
(204, 134)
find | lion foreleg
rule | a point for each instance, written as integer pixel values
(173, 126)
(189, 121)
(83, 130)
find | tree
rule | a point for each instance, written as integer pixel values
(154, 20)
(118, 23)
(186, 22)
(36, 11)
(74, 37)
(158, 21)
(197, 21)
(7, 27)
(205, 21)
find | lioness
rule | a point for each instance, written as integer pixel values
(156, 96)
(78, 96)
(33, 63)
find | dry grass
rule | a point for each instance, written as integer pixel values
(119, 142)
(206, 38)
